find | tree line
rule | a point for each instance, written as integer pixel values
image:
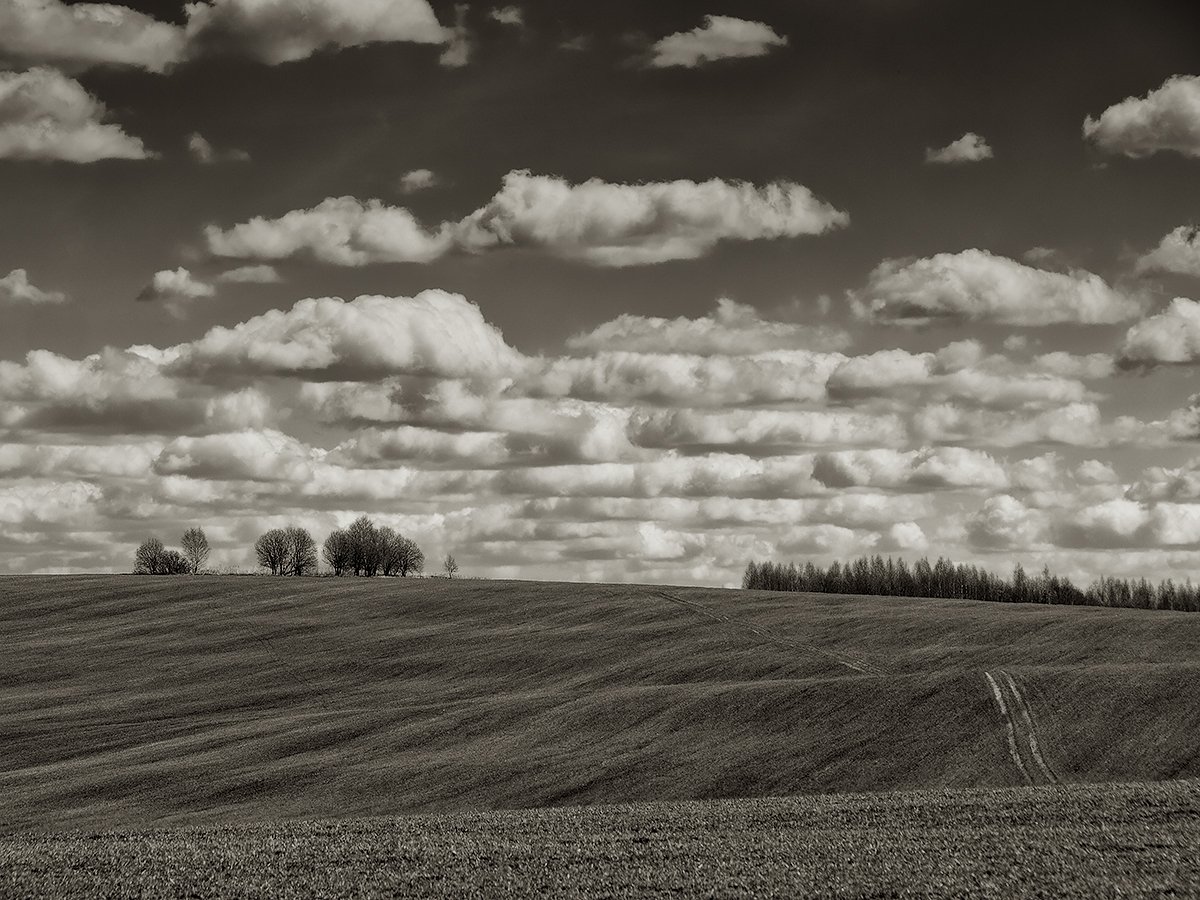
(876, 576)
(362, 549)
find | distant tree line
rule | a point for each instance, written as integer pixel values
(363, 549)
(877, 576)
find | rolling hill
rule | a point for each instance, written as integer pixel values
(130, 701)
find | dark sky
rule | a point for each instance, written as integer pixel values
(847, 107)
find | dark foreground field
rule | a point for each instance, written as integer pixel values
(139, 701)
(1078, 841)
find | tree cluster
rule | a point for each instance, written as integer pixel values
(287, 551)
(152, 558)
(368, 549)
(877, 576)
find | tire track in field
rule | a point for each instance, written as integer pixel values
(849, 660)
(1020, 728)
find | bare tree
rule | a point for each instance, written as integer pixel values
(399, 555)
(365, 546)
(147, 560)
(410, 559)
(273, 551)
(174, 563)
(302, 551)
(450, 566)
(338, 552)
(195, 548)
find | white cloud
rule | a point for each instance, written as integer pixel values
(639, 224)
(1167, 118)
(977, 286)
(251, 275)
(928, 468)
(15, 289)
(597, 222)
(458, 40)
(731, 329)
(434, 333)
(45, 115)
(720, 37)
(177, 288)
(418, 180)
(339, 230)
(1171, 336)
(967, 149)
(279, 31)
(86, 34)
(508, 15)
(1178, 253)
(204, 153)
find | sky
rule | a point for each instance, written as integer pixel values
(622, 291)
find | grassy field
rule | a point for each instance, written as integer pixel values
(1077, 841)
(137, 701)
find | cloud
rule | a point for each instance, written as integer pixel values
(720, 37)
(508, 15)
(639, 224)
(677, 378)
(1169, 337)
(251, 275)
(1177, 253)
(15, 289)
(977, 286)
(86, 34)
(435, 334)
(596, 222)
(279, 31)
(177, 288)
(731, 329)
(341, 231)
(967, 149)
(925, 469)
(458, 40)
(418, 180)
(1167, 118)
(204, 153)
(45, 115)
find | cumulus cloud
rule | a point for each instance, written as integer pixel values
(417, 180)
(206, 154)
(1169, 337)
(341, 231)
(44, 115)
(16, 289)
(1167, 118)
(177, 288)
(967, 149)
(731, 329)
(279, 31)
(596, 222)
(1177, 253)
(434, 333)
(720, 37)
(978, 286)
(86, 34)
(638, 224)
(508, 15)
(928, 468)
(269, 31)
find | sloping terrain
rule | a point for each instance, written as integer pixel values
(1081, 841)
(139, 700)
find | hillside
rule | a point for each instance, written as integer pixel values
(138, 700)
